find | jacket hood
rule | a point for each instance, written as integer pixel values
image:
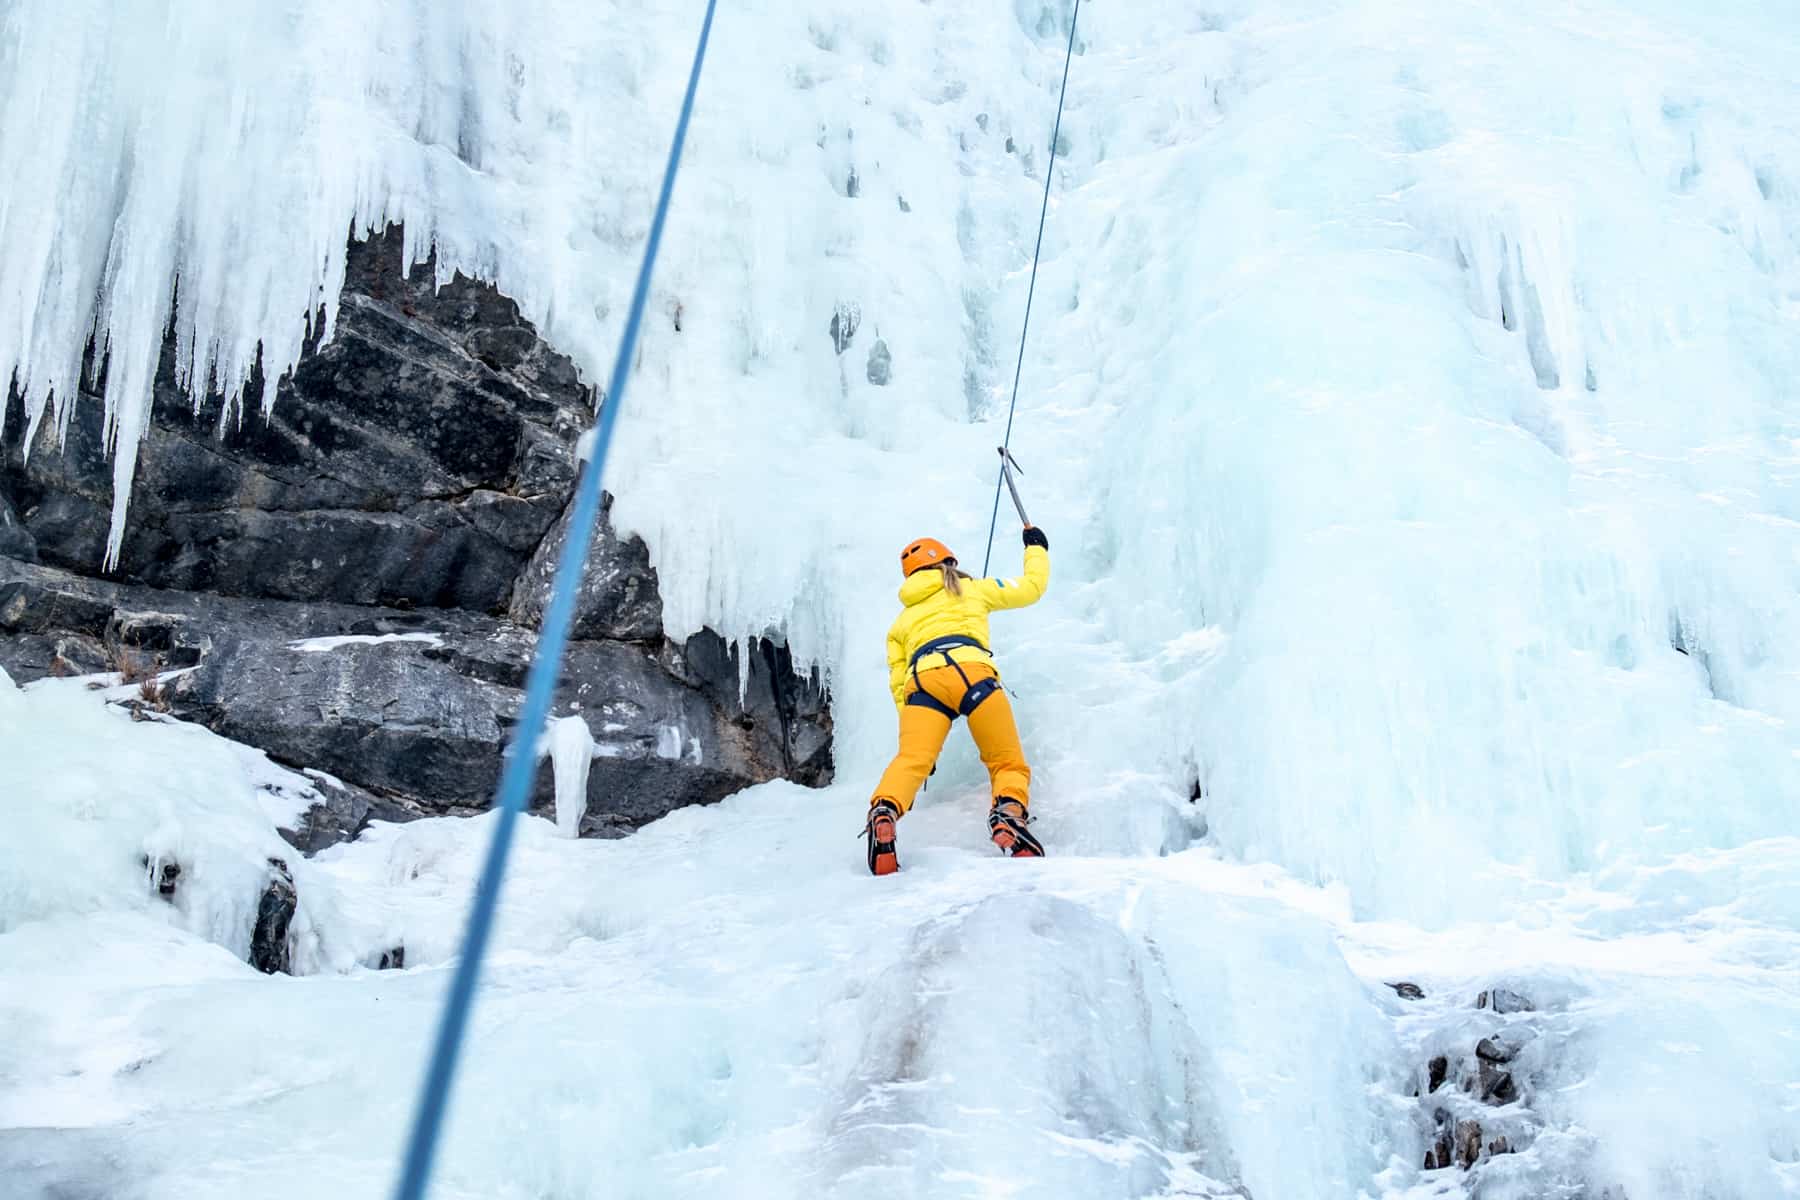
(921, 585)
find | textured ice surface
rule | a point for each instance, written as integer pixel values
(1412, 409)
(721, 1005)
(726, 1005)
(1440, 360)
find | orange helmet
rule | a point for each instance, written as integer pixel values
(926, 552)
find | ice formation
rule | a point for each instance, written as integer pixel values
(321, 645)
(1411, 406)
(570, 747)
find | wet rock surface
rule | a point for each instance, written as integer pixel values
(1475, 1095)
(351, 583)
(274, 913)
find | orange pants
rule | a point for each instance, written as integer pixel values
(923, 730)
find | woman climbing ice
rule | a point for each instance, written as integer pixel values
(940, 669)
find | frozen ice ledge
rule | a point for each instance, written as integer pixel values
(410, 481)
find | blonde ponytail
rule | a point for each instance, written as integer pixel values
(953, 578)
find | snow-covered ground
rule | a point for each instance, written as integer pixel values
(1413, 412)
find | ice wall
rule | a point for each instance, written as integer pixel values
(1411, 408)
(1455, 396)
(1411, 400)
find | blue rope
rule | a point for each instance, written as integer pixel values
(546, 665)
(1044, 212)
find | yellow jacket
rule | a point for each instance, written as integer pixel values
(932, 613)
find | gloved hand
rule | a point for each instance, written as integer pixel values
(1035, 537)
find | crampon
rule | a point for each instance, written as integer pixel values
(1007, 823)
(884, 859)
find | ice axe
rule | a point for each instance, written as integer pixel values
(1009, 464)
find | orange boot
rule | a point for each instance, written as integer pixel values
(884, 859)
(1007, 822)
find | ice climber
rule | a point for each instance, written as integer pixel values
(940, 668)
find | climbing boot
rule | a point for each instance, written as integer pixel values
(883, 858)
(1007, 822)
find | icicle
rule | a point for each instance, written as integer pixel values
(570, 747)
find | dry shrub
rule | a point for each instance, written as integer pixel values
(153, 695)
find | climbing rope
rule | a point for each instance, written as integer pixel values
(1031, 290)
(546, 664)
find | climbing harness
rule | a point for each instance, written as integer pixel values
(973, 693)
(1031, 290)
(546, 664)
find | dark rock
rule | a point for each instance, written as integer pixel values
(618, 597)
(1468, 1143)
(415, 723)
(382, 715)
(844, 321)
(431, 553)
(392, 960)
(605, 825)
(1504, 1000)
(15, 540)
(1496, 1086)
(779, 715)
(1407, 991)
(418, 458)
(1454, 1142)
(165, 876)
(78, 655)
(1438, 1071)
(881, 364)
(274, 912)
(1489, 1050)
(169, 639)
(29, 656)
(343, 812)
(1442, 1151)
(62, 526)
(28, 605)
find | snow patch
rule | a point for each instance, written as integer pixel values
(320, 645)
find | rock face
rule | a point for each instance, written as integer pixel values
(15, 540)
(406, 501)
(416, 459)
